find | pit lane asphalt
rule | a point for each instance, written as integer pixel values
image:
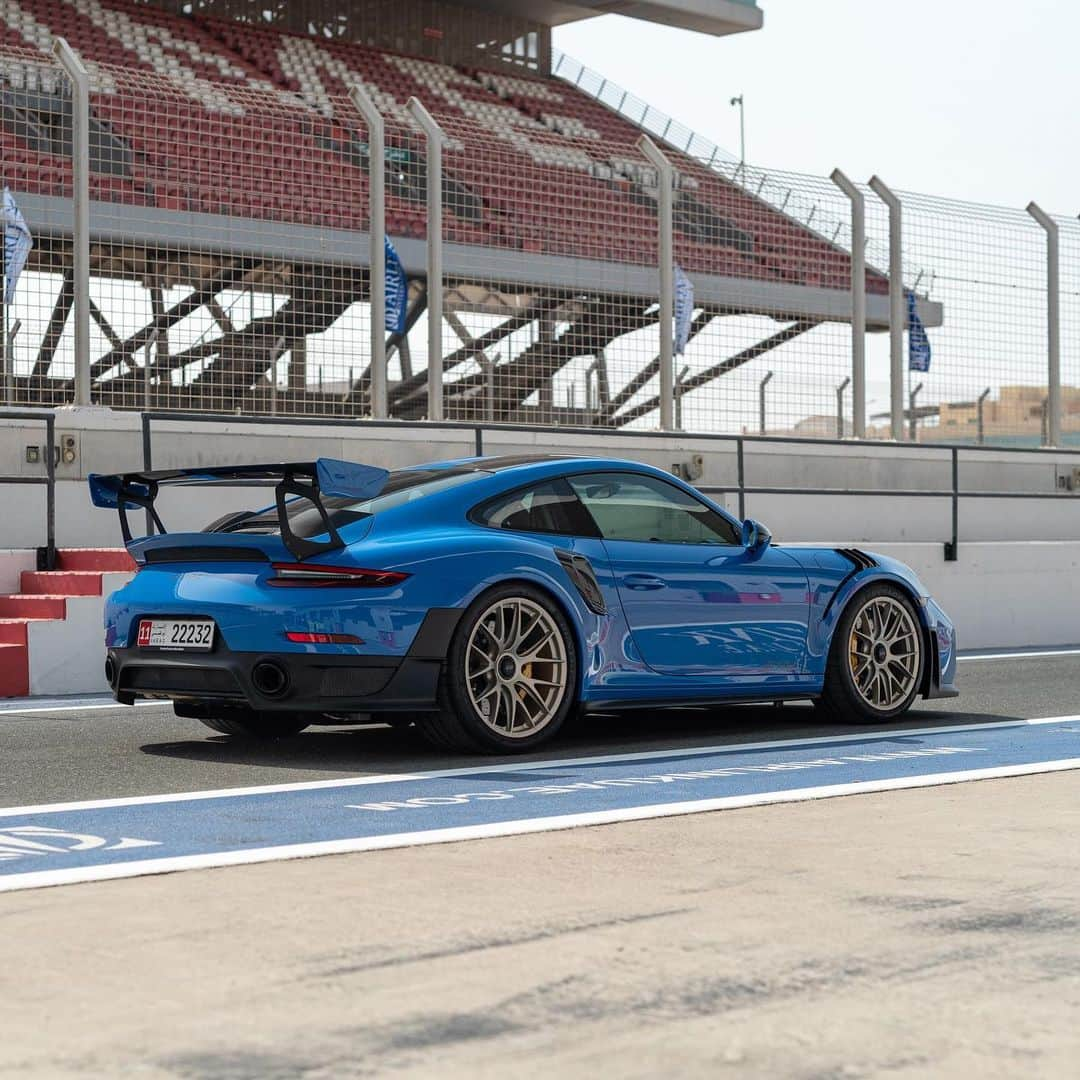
(70, 755)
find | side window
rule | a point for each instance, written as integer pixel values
(626, 506)
(550, 507)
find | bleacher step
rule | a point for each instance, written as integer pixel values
(62, 582)
(14, 670)
(32, 606)
(98, 560)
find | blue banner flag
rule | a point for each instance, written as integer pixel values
(684, 309)
(17, 245)
(918, 342)
(397, 291)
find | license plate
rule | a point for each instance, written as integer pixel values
(185, 634)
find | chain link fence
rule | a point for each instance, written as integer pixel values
(230, 201)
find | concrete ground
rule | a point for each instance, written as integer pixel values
(909, 934)
(931, 932)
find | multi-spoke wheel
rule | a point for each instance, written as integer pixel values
(876, 661)
(511, 673)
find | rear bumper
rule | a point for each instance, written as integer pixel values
(312, 683)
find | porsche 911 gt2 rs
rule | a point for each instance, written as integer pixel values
(484, 599)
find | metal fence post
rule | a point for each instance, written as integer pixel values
(275, 355)
(980, 406)
(9, 360)
(840, 406)
(80, 233)
(858, 302)
(1053, 324)
(761, 401)
(433, 134)
(913, 422)
(896, 305)
(666, 314)
(377, 236)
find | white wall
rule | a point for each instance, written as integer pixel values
(67, 656)
(1002, 594)
(12, 565)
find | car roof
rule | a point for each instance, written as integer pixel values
(504, 463)
(495, 463)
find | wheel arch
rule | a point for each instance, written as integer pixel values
(928, 640)
(561, 601)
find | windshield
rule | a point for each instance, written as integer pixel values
(403, 486)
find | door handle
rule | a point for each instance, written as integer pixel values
(643, 582)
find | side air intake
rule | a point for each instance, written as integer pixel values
(859, 559)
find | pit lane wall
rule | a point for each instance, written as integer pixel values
(1014, 583)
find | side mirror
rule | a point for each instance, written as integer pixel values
(755, 536)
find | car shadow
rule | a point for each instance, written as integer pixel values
(371, 749)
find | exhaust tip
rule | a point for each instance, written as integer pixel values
(110, 670)
(269, 678)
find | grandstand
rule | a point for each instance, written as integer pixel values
(230, 171)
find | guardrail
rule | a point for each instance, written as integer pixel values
(47, 554)
(740, 488)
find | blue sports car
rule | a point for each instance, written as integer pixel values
(485, 599)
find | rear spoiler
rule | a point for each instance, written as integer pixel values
(304, 480)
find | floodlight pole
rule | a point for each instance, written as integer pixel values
(858, 302)
(742, 128)
(72, 64)
(435, 138)
(1053, 324)
(377, 237)
(666, 315)
(896, 305)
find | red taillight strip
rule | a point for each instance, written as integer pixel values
(312, 576)
(305, 637)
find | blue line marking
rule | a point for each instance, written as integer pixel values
(55, 845)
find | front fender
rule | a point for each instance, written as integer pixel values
(939, 634)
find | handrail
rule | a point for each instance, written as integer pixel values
(47, 554)
(740, 487)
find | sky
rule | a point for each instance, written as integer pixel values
(971, 99)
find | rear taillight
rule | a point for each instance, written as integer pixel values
(305, 637)
(312, 576)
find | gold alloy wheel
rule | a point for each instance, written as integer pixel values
(883, 652)
(516, 667)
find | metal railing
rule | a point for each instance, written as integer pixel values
(741, 489)
(47, 554)
(236, 245)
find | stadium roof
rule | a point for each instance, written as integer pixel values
(717, 17)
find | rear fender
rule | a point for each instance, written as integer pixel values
(547, 574)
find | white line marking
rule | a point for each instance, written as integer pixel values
(1031, 654)
(92, 706)
(524, 765)
(45, 878)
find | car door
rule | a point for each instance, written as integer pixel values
(697, 601)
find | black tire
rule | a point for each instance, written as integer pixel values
(842, 697)
(246, 723)
(459, 724)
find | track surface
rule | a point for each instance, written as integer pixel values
(904, 934)
(73, 755)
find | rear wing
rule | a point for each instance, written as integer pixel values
(309, 480)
